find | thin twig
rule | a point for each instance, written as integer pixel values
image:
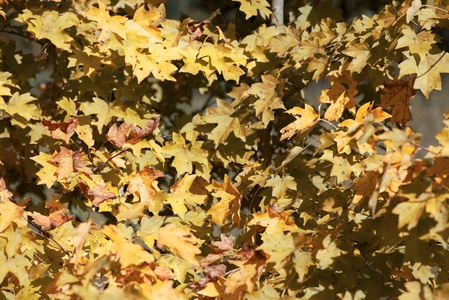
(94, 170)
(47, 235)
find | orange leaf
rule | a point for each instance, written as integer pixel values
(64, 163)
(338, 95)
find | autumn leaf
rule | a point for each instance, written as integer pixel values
(428, 71)
(61, 130)
(118, 135)
(141, 185)
(150, 126)
(98, 193)
(251, 8)
(127, 252)
(398, 93)
(419, 43)
(250, 267)
(360, 54)
(274, 222)
(190, 190)
(229, 204)
(54, 220)
(181, 240)
(186, 155)
(340, 95)
(306, 118)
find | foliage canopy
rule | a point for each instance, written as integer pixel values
(116, 181)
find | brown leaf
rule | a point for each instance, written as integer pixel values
(398, 93)
(197, 31)
(97, 194)
(118, 136)
(61, 130)
(151, 126)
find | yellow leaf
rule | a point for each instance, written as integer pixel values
(229, 204)
(181, 240)
(306, 118)
(250, 8)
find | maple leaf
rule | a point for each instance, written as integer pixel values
(118, 135)
(98, 193)
(127, 252)
(228, 205)
(150, 126)
(141, 185)
(181, 240)
(306, 118)
(419, 43)
(51, 25)
(185, 155)
(428, 71)
(250, 8)
(277, 246)
(80, 239)
(267, 98)
(225, 59)
(105, 22)
(325, 257)
(10, 212)
(64, 163)
(61, 130)
(250, 266)
(54, 220)
(5, 194)
(398, 93)
(19, 105)
(302, 261)
(187, 191)
(360, 54)
(226, 124)
(274, 222)
(340, 95)
(104, 110)
(358, 128)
